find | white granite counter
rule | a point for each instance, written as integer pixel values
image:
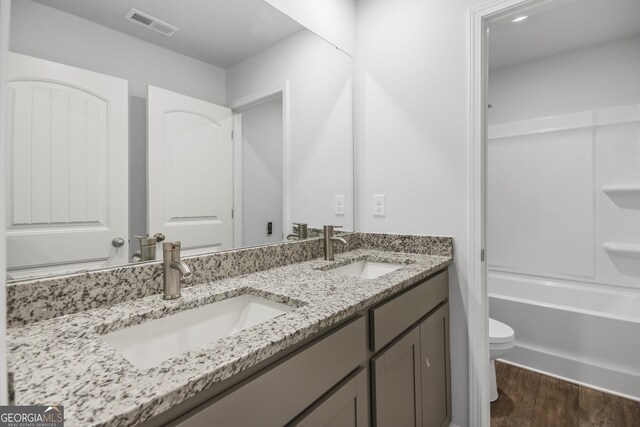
(66, 361)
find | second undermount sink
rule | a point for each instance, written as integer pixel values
(367, 269)
(150, 343)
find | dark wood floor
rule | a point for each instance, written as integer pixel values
(531, 399)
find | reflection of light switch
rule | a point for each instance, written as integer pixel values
(379, 207)
(338, 205)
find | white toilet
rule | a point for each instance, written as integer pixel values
(501, 338)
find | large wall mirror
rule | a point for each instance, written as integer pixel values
(219, 123)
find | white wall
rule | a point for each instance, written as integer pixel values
(321, 125)
(594, 77)
(262, 172)
(5, 8)
(548, 215)
(333, 20)
(411, 137)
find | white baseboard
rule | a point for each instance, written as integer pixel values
(623, 384)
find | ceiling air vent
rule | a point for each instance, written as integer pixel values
(150, 22)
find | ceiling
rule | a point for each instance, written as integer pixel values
(560, 26)
(219, 32)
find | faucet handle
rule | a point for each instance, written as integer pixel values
(331, 227)
(149, 240)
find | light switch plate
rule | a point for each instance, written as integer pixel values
(379, 205)
(338, 205)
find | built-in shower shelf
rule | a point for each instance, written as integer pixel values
(625, 249)
(621, 189)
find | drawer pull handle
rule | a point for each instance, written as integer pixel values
(428, 363)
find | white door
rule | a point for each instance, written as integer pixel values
(67, 170)
(190, 171)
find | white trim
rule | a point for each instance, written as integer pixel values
(581, 119)
(261, 95)
(5, 13)
(238, 106)
(238, 211)
(477, 296)
(478, 323)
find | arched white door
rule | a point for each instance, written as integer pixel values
(190, 171)
(67, 168)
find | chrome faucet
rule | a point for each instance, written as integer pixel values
(329, 239)
(174, 270)
(299, 232)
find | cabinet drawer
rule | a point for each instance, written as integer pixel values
(391, 318)
(276, 396)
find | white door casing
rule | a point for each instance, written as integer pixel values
(190, 171)
(67, 168)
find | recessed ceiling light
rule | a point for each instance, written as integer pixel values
(520, 18)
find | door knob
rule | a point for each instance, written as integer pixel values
(118, 242)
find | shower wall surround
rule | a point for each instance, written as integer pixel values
(574, 136)
(563, 226)
(37, 300)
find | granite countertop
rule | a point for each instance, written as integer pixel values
(66, 361)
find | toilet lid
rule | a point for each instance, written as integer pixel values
(499, 333)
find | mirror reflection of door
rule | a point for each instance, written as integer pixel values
(190, 171)
(227, 52)
(259, 132)
(66, 166)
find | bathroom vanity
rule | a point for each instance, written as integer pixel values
(359, 344)
(399, 348)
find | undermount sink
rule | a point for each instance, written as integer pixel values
(367, 269)
(150, 343)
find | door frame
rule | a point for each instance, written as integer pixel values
(478, 301)
(5, 14)
(237, 106)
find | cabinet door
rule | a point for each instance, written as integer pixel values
(396, 383)
(436, 375)
(345, 407)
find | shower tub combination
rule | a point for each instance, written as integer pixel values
(571, 331)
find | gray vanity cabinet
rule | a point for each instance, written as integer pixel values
(396, 383)
(386, 366)
(281, 392)
(411, 375)
(346, 406)
(435, 369)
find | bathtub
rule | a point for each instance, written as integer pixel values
(577, 332)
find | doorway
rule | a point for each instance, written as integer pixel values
(260, 139)
(537, 162)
